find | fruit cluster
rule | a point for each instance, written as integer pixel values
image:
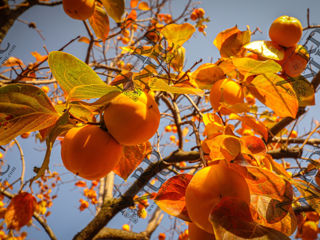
(308, 225)
(91, 152)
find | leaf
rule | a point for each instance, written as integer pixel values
(114, 8)
(13, 61)
(62, 125)
(171, 196)
(131, 158)
(92, 91)
(304, 91)
(231, 219)
(83, 111)
(158, 84)
(207, 74)
(258, 127)
(39, 57)
(20, 210)
(224, 147)
(266, 49)
(178, 34)
(26, 108)
(273, 91)
(222, 36)
(99, 22)
(71, 72)
(249, 66)
(232, 46)
(134, 3)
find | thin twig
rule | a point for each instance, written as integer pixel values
(23, 165)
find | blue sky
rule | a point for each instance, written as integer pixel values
(58, 29)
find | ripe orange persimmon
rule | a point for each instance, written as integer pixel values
(79, 9)
(162, 236)
(208, 186)
(90, 152)
(286, 31)
(196, 233)
(225, 90)
(126, 227)
(309, 230)
(132, 120)
(295, 60)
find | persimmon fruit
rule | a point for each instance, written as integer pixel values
(208, 186)
(79, 9)
(90, 152)
(196, 233)
(295, 60)
(131, 120)
(286, 31)
(309, 230)
(227, 91)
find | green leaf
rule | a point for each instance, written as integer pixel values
(114, 8)
(71, 72)
(158, 84)
(249, 66)
(62, 125)
(91, 91)
(24, 108)
(276, 93)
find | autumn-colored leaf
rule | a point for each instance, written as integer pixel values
(222, 36)
(115, 8)
(233, 45)
(20, 210)
(171, 196)
(178, 34)
(131, 158)
(231, 218)
(249, 66)
(304, 91)
(26, 108)
(253, 144)
(80, 183)
(158, 84)
(276, 93)
(207, 74)
(144, 6)
(266, 49)
(39, 57)
(99, 22)
(257, 126)
(84, 39)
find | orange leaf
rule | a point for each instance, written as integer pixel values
(84, 39)
(20, 210)
(231, 219)
(207, 74)
(13, 61)
(131, 158)
(224, 147)
(144, 6)
(171, 196)
(99, 22)
(134, 3)
(224, 35)
(80, 183)
(276, 93)
(39, 57)
(258, 127)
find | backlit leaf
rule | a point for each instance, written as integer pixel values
(115, 8)
(231, 219)
(131, 158)
(171, 196)
(158, 84)
(304, 91)
(144, 6)
(257, 126)
(222, 36)
(249, 66)
(207, 74)
(99, 22)
(266, 49)
(178, 34)
(71, 72)
(20, 210)
(24, 108)
(134, 3)
(91, 91)
(276, 93)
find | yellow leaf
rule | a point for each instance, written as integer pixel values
(207, 74)
(222, 36)
(304, 91)
(266, 49)
(178, 34)
(276, 93)
(233, 45)
(99, 22)
(114, 8)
